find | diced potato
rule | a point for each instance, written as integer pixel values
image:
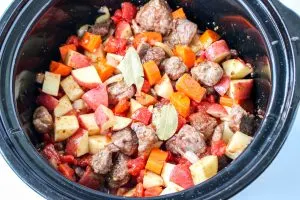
(71, 88)
(121, 123)
(64, 106)
(51, 83)
(166, 173)
(105, 118)
(241, 89)
(79, 105)
(172, 188)
(88, 122)
(113, 59)
(97, 143)
(227, 133)
(130, 193)
(97, 55)
(204, 169)
(134, 106)
(152, 180)
(65, 127)
(87, 77)
(78, 144)
(236, 69)
(164, 88)
(237, 144)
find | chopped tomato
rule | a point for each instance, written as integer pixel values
(122, 106)
(128, 11)
(146, 87)
(218, 148)
(210, 98)
(140, 178)
(181, 175)
(114, 45)
(206, 153)
(203, 106)
(135, 166)
(84, 161)
(51, 155)
(117, 16)
(68, 159)
(90, 179)
(181, 122)
(73, 39)
(142, 115)
(139, 190)
(183, 161)
(66, 171)
(153, 191)
(170, 157)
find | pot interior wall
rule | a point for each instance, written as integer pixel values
(227, 17)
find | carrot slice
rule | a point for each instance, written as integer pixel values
(122, 106)
(59, 68)
(186, 54)
(104, 70)
(181, 103)
(152, 72)
(90, 42)
(227, 101)
(208, 37)
(156, 160)
(149, 37)
(179, 14)
(64, 50)
(145, 99)
(190, 87)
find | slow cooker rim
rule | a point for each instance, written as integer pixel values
(19, 132)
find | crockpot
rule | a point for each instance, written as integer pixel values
(265, 33)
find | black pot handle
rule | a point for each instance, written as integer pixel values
(292, 22)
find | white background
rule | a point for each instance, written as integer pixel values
(280, 181)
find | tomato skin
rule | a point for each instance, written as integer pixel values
(139, 190)
(153, 191)
(146, 87)
(140, 178)
(66, 171)
(51, 155)
(142, 115)
(135, 166)
(128, 11)
(117, 46)
(68, 159)
(117, 16)
(73, 39)
(218, 148)
(90, 179)
(84, 161)
(181, 175)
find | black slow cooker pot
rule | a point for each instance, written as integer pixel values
(264, 32)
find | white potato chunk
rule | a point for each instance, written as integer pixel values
(152, 180)
(88, 122)
(172, 188)
(166, 173)
(236, 69)
(97, 143)
(227, 133)
(65, 127)
(134, 106)
(51, 83)
(64, 106)
(237, 144)
(121, 123)
(71, 88)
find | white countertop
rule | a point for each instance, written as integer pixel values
(279, 181)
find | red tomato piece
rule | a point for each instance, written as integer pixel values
(73, 39)
(135, 166)
(223, 85)
(153, 191)
(51, 155)
(181, 122)
(171, 158)
(84, 161)
(47, 101)
(128, 11)
(218, 148)
(66, 171)
(142, 115)
(139, 190)
(146, 87)
(68, 159)
(117, 16)
(181, 175)
(95, 97)
(90, 179)
(115, 45)
(122, 30)
(203, 106)
(140, 178)
(217, 110)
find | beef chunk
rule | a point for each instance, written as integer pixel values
(142, 49)
(147, 137)
(102, 161)
(235, 117)
(155, 54)
(208, 73)
(42, 120)
(136, 28)
(203, 123)
(187, 139)
(183, 32)
(174, 67)
(119, 175)
(126, 140)
(101, 28)
(155, 16)
(118, 91)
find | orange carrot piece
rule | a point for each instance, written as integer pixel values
(227, 101)
(190, 87)
(181, 103)
(153, 191)
(149, 37)
(64, 50)
(104, 70)
(122, 106)
(90, 42)
(145, 99)
(156, 160)
(152, 72)
(186, 54)
(59, 68)
(208, 37)
(179, 14)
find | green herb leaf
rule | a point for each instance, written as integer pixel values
(132, 69)
(165, 120)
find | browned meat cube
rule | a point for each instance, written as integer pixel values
(126, 140)
(208, 73)
(203, 123)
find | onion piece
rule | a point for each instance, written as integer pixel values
(82, 30)
(165, 47)
(114, 79)
(191, 156)
(103, 18)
